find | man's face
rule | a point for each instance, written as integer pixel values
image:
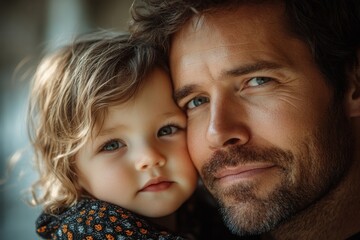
(263, 128)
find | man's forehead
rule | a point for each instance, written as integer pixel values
(228, 15)
(218, 32)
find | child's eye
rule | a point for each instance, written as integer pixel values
(112, 145)
(257, 81)
(196, 101)
(167, 130)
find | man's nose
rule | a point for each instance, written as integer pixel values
(226, 125)
(149, 157)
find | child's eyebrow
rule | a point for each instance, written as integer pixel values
(104, 132)
(109, 130)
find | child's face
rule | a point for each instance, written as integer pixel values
(139, 159)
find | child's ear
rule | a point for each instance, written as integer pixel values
(353, 92)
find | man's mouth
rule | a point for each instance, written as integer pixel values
(241, 172)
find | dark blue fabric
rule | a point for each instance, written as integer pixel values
(92, 219)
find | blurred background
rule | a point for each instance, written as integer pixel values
(28, 29)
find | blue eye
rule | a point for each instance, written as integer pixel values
(167, 130)
(257, 81)
(112, 145)
(197, 101)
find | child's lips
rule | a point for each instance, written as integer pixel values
(156, 184)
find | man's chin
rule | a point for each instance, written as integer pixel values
(245, 213)
(250, 218)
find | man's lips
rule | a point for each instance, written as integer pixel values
(242, 171)
(156, 184)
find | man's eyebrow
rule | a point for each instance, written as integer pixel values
(183, 92)
(250, 68)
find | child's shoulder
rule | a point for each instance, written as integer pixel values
(95, 219)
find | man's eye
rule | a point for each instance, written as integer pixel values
(167, 130)
(256, 81)
(112, 145)
(197, 101)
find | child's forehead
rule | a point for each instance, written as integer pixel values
(104, 116)
(153, 102)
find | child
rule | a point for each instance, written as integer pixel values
(109, 142)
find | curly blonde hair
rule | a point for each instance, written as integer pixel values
(70, 93)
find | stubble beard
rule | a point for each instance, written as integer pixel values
(320, 162)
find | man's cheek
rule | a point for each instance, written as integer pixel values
(197, 155)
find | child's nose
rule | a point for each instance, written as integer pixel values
(150, 158)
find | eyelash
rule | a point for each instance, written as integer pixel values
(186, 106)
(262, 78)
(177, 126)
(110, 141)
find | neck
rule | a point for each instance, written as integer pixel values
(169, 222)
(335, 216)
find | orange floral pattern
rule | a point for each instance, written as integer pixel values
(92, 219)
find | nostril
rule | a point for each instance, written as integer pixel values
(231, 141)
(161, 163)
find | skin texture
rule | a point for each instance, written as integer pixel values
(139, 141)
(264, 131)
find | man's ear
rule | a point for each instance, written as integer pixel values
(353, 92)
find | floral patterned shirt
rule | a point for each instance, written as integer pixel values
(92, 219)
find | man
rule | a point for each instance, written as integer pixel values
(272, 94)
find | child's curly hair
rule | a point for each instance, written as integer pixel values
(70, 93)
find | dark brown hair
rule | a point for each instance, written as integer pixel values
(331, 28)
